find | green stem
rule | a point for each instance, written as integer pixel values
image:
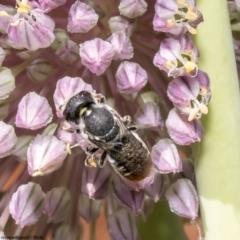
(218, 155)
(161, 224)
(92, 230)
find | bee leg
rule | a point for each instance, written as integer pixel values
(132, 128)
(127, 120)
(100, 98)
(71, 130)
(102, 161)
(89, 162)
(91, 150)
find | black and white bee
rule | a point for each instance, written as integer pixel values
(104, 128)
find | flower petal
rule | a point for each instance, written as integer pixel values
(65, 89)
(7, 82)
(96, 55)
(8, 139)
(165, 157)
(57, 204)
(29, 195)
(45, 155)
(82, 18)
(34, 112)
(182, 198)
(131, 77)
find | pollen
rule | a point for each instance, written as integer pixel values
(23, 6)
(91, 162)
(169, 64)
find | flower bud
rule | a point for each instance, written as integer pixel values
(32, 33)
(7, 82)
(182, 198)
(6, 13)
(157, 188)
(68, 51)
(96, 55)
(66, 232)
(82, 18)
(132, 8)
(4, 109)
(147, 208)
(48, 5)
(45, 155)
(57, 204)
(26, 204)
(131, 77)
(8, 139)
(2, 56)
(89, 209)
(118, 23)
(20, 149)
(176, 17)
(177, 57)
(181, 130)
(148, 116)
(71, 138)
(122, 225)
(39, 70)
(165, 157)
(122, 46)
(95, 182)
(33, 112)
(66, 88)
(129, 199)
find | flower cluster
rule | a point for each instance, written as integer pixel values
(111, 49)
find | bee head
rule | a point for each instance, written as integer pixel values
(77, 105)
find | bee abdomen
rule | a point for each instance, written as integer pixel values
(133, 161)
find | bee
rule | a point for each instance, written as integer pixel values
(104, 128)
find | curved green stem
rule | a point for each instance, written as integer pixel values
(218, 155)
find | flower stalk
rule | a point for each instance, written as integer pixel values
(217, 156)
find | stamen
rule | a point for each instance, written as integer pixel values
(23, 6)
(193, 114)
(191, 16)
(181, 2)
(192, 30)
(170, 23)
(68, 147)
(204, 91)
(37, 173)
(203, 108)
(15, 24)
(189, 66)
(3, 14)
